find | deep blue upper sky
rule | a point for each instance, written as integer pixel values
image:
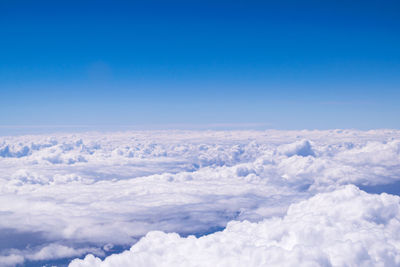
(276, 64)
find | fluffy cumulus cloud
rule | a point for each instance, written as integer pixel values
(346, 227)
(270, 196)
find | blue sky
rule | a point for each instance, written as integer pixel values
(250, 64)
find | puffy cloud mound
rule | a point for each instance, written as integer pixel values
(301, 148)
(347, 227)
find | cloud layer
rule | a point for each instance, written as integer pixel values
(67, 195)
(346, 227)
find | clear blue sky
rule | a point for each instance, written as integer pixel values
(282, 64)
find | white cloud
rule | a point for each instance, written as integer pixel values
(301, 148)
(346, 227)
(11, 260)
(56, 251)
(52, 251)
(105, 189)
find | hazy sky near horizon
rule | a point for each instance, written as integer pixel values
(282, 64)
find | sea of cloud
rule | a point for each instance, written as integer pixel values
(200, 198)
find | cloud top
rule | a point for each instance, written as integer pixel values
(95, 192)
(346, 227)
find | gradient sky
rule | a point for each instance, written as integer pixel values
(272, 64)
